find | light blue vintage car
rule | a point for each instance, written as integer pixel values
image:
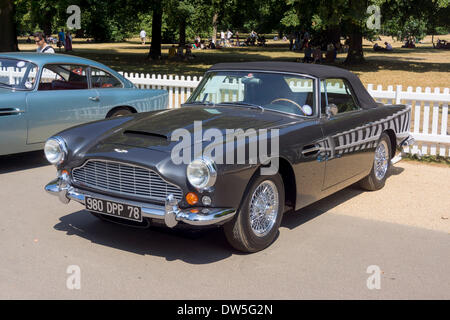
(42, 94)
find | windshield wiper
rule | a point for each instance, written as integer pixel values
(6, 85)
(247, 104)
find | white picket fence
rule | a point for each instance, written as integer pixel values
(429, 121)
(430, 125)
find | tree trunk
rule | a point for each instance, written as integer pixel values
(182, 41)
(333, 34)
(8, 35)
(355, 51)
(46, 21)
(214, 24)
(155, 47)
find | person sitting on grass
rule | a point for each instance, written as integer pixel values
(377, 47)
(172, 51)
(211, 44)
(188, 55)
(388, 46)
(261, 41)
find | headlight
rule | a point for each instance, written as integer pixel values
(201, 173)
(55, 150)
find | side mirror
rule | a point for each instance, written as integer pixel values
(331, 110)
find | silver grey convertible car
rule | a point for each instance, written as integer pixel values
(42, 94)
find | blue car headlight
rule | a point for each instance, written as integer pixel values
(55, 150)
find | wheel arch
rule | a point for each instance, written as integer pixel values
(393, 139)
(289, 182)
(110, 112)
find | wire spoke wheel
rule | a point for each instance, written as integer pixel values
(264, 206)
(381, 160)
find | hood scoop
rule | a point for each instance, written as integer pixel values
(144, 134)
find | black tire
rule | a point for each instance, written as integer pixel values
(119, 113)
(238, 231)
(372, 182)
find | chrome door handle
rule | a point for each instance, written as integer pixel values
(94, 98)
(9, 111)
(310, 150)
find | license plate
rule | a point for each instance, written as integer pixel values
(114, 209)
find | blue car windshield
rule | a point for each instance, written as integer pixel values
(17, 74)
(286, 93)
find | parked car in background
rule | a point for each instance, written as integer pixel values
(331, 134)
(42, 94)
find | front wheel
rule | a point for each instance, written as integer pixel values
(256, 223)
(381, 164)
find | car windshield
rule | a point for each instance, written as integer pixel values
(17, 74)
(275, 91)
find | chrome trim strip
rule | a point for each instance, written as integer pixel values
(12, 110)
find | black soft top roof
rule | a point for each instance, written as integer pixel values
(316, 70)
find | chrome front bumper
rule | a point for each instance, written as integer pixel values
(170, 213)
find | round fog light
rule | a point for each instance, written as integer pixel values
(206, 201)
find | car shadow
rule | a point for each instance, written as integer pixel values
(205, 246)
(22, 161)
(293, 219)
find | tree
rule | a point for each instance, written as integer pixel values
(8, 30)
(338, 18)
(155, 48)
(414, 18)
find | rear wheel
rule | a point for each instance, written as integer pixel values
(381, 164)
(256, 224)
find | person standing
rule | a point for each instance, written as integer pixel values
(61, 37)
(229, 35)
(222, 38)
(42, 45)
(68, 45)
(143, 36)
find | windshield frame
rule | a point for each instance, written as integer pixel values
(27, 71)
(315, 88)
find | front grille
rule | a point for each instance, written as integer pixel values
(124, 179)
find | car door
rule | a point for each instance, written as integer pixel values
(63, 99)
(343, 132)
(305, 141)
(109, 90)
(13, 124)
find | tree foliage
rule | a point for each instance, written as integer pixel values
(181, 20)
